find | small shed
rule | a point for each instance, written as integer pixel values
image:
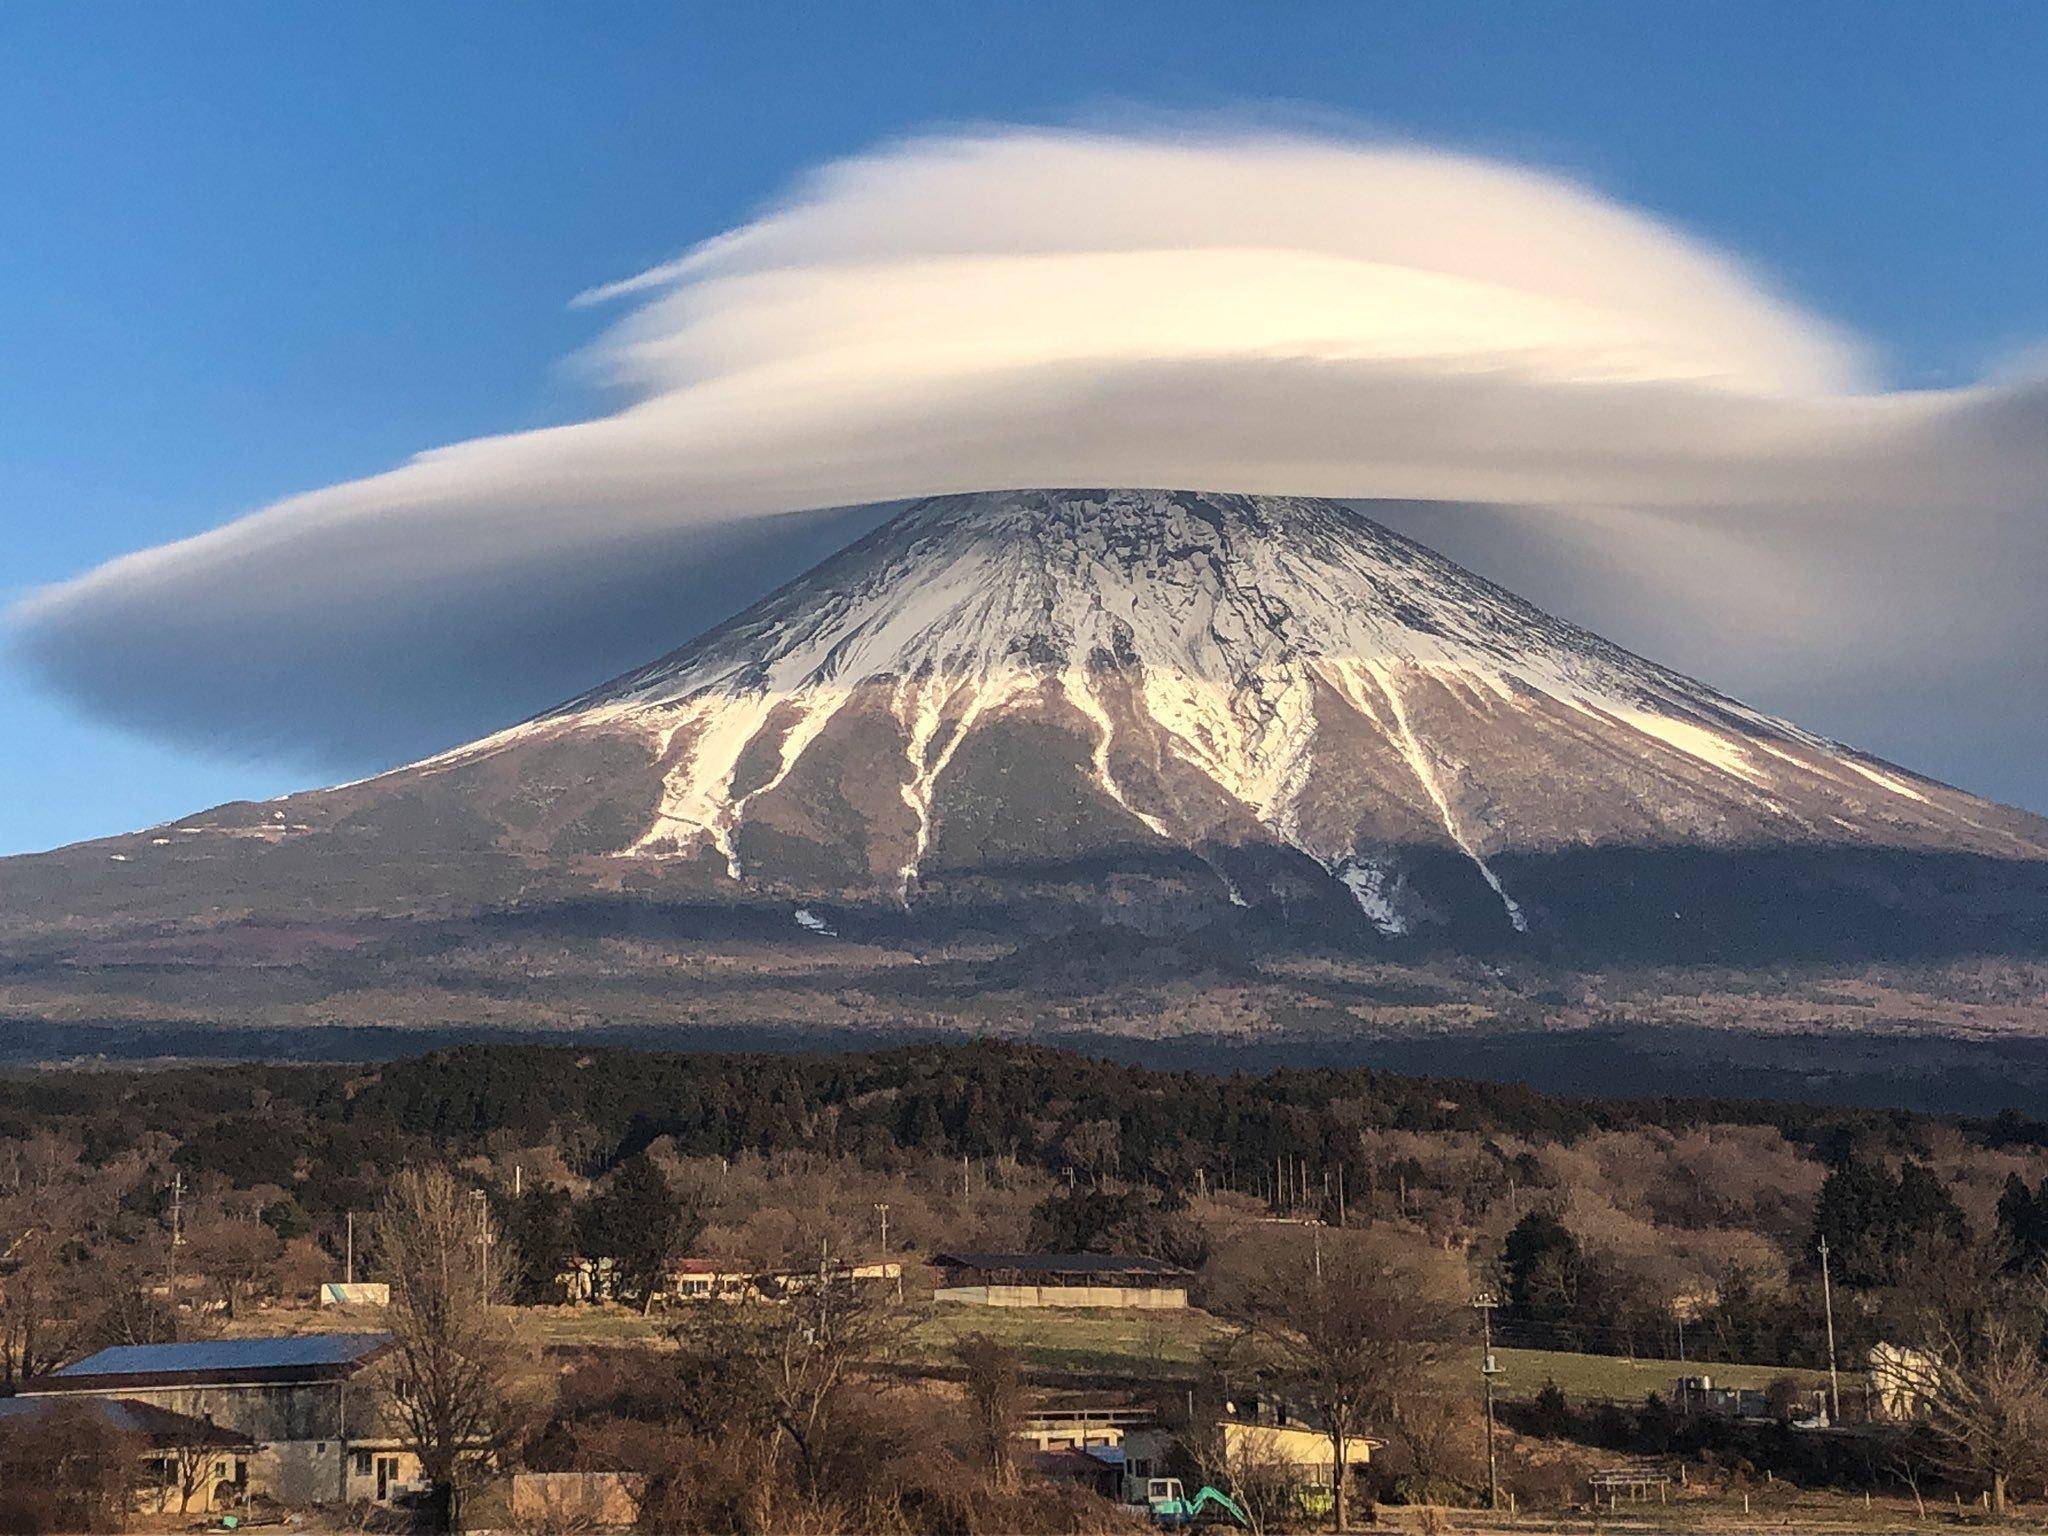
(1060, 1280)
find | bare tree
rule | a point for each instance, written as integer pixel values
(995, 1401)
(1986, 1392)
(51, 1219)
(1252, 1469)
(1352, 1328)
(454, 1384)
(67, 1470)
(788, 1366)
(236, 1257)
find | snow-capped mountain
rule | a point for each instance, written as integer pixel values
(1161, 707)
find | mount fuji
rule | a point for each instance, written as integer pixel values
(1255, 723)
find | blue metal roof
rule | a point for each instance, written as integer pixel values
(225, 1355)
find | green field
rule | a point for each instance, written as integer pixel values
(1168, 1345)
(1163, 1346)
(1583, 1377)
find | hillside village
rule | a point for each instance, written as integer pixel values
(863, 1294)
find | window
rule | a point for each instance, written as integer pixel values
(362, 1463)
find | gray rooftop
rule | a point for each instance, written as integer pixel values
(158, 1426)
(1062, 1263)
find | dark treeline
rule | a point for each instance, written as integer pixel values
(323, 1131)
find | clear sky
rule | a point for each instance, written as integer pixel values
(248, 250)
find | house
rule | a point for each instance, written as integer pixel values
(704, 1280)
(1902, 1381)
(301, 1402)
(1302, 1451)
(1060, 1280)
(183, 1465)
(588, 1281)
(1110, 1441)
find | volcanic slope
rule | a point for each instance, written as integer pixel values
(1167, 709)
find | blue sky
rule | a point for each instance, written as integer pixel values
(247, 250)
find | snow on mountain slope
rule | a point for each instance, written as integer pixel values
(1003, 678)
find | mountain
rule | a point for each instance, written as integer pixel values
(1141, 770)
(1164, 709)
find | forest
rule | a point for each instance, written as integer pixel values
(1686, 1227)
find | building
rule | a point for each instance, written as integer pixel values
(1060, 1280)
(355, 1293)
(577, 1501)
(1698, 1394)
(301, 1403)
(183, 1465)
(1301, 1452)
(1903, 1382)
(594, 1281)
(1081, 1420)
(1100, 1468)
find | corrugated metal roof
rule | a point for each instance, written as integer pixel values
(227, 1355)
(1061, 1263)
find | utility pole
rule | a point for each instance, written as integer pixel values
(177, 1230)
(1827, 1299)
(882, 1210)
(1487, 1372)
(483, 1245)
(348, 1272)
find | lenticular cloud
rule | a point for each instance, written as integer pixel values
(1672, 440)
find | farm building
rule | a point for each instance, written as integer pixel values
(299, 1402)
(595, 1281)
(1060, 1280)
(182, 1464)
(1302, 1451)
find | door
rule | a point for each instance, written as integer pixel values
(387, 1475)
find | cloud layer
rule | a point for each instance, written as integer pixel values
(1655, 442)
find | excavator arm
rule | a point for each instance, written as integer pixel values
(1216, 1498)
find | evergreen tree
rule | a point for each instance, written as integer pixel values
(2023, 1224)
(640, 1224)
(541, 1225)
(1543, 1267)
(1878, 1227)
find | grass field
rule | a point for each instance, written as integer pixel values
(1164, 1345)
(1583, 1377)
(1154, 1345)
